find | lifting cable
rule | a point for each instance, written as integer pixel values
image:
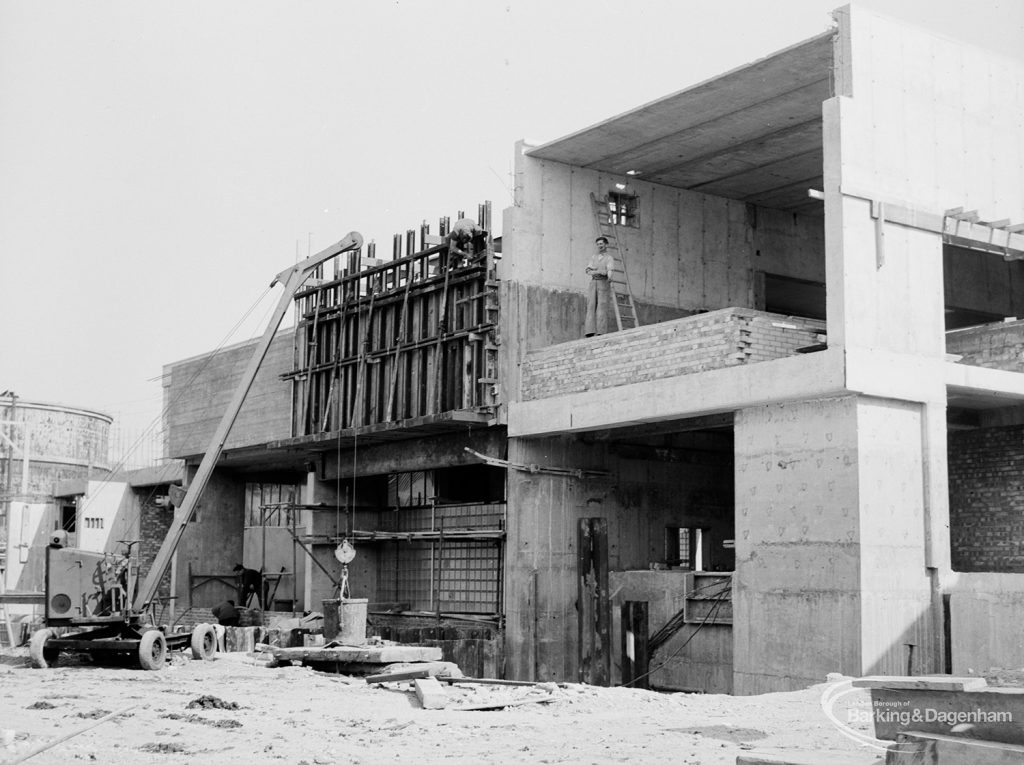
(158, 420)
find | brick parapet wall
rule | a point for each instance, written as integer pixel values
(986, 499)
(996, 346)
(712, 340)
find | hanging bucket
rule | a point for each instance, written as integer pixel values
(352, 618)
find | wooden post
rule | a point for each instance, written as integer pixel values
(594, 656)
(635, 655)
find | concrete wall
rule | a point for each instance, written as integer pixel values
(691, 251)
(107, 512)
(213, 540)
(697, 343)
(938, 121)
(697, 658)
(274, 550)
(985, 614)
(639, 499)
(197, 392)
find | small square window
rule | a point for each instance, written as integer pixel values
(624, 209)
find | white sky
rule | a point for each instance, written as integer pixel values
(161, 161)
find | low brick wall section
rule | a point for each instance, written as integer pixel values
(996, 346)
(986, 499)
(247, 617)
(712, 340)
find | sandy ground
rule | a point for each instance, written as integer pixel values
(296, 715)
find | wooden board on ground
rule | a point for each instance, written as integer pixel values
(442, 670)
(499, 704)
(388, 654)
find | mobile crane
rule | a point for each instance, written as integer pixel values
(90, 606)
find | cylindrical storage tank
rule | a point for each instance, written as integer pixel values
(43, 445)
(63, 443)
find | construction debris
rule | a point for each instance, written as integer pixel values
(211, 702)
(442, 670)
(430, 693)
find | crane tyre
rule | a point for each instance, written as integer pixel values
(204, 642)
(41, 655)
(152, 650)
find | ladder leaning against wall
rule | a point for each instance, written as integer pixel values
(622, 295)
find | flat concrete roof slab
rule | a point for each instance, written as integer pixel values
(754, 133)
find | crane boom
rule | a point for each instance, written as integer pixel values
(292, 279)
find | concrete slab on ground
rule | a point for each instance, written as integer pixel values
(912, 748)
(789, 757)
(388, 654)
(921, 682)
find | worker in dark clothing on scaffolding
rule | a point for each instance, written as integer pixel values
(465, 241)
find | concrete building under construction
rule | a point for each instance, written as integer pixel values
(799, 453)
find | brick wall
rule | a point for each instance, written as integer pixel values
(692, 344)
(997, 346)
(154, 523)
(986, 499)
(247, 617)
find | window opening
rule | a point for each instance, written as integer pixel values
(624, 209)
(69, 517)
(685, 547)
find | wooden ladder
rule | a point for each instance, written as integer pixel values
(622, 295)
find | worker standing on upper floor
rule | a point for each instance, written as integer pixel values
(599, 292)
(465, 240)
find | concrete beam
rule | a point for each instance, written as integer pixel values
(796, 378)
(965, 380)
(422, 454)
(887, 374)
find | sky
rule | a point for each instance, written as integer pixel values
(161, 161)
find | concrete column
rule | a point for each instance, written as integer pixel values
(830, 530)
(796, 587)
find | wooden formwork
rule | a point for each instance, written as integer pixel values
(385, 342)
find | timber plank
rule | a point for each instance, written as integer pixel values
(390, 654)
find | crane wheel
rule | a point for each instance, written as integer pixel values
(204, 642)
(42, 656)
(152, 650)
